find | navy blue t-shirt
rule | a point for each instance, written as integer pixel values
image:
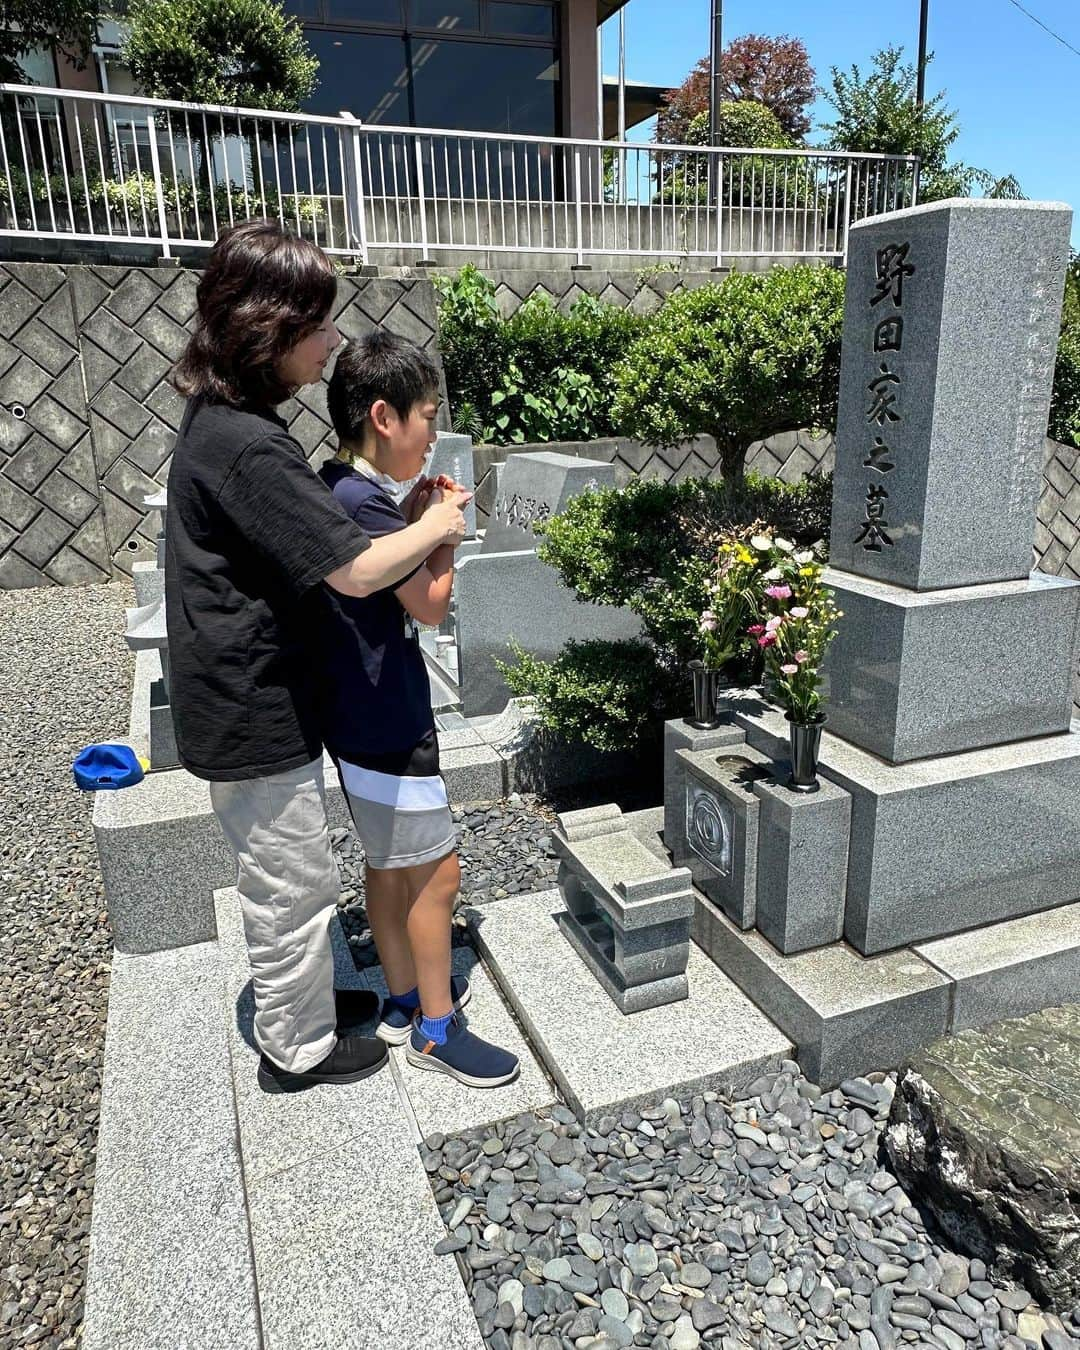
(374, 694)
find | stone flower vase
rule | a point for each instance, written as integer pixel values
(707, 686)
(805, 738)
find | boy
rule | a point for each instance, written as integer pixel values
(377, 717)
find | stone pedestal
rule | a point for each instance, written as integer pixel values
(680, 735)
(948, 843)
(627, 915)
(721, 826)
(801, 865)
(916, 673)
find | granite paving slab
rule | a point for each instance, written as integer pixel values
(601, 1058)
(1011, 969)
(281, 1130)
(170, 1255)
(343, 1221)
(439, 1103)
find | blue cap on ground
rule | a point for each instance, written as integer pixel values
(106, 766)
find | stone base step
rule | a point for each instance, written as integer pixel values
(343, 1220)
(603, 1059)
(1010, 969)
(847, 1014)
(170, 1253)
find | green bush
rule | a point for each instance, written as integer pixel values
(747, 180)
(539, 375)
(610, 695)
(757, 354)
(650, 546)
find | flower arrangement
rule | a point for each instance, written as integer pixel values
(797, 614)
(732, 598)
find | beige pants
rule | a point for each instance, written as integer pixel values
(289, 887)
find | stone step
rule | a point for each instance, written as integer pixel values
(170, 1251)
(343, 1220)
(435, 1101)
(603, 1059)
(1012, 968)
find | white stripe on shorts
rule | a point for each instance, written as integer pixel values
(403, 794)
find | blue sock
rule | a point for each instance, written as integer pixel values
(410, 1000)
(434, 1028)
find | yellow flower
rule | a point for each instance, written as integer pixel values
(745, 556)
(806, 571)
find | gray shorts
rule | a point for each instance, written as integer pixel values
(403, 819)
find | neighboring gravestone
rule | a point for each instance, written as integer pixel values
(948, 643)
(984, 1133)
(951, 318)
(535, 486)
(453, 455)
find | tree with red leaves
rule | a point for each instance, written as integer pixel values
(773, 71)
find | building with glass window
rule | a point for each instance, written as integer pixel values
(526, 66)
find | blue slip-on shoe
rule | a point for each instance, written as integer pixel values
(396, 1022)
(464, 1056)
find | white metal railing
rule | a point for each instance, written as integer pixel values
(104, 167)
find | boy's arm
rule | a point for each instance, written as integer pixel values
(426, 594)
(391, 556)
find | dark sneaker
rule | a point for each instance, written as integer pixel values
(396, 1022)
(354, 1007)
(353, 1058)
(464, 1056)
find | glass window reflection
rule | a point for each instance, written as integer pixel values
(513, 20)
(450, 16)
(360, 73)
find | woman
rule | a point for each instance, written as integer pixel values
(251, 534)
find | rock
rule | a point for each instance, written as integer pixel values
(984, 1132)
(759, 1269)
(695, 1275)
(685, 1336)
(592, 1247)
(641, 1257)
(705, 1314)
(614, 1303)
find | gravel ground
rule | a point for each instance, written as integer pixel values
(772, 1222)
(65, 674)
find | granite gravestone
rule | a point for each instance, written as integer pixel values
(452, 454)
(535, 486)
(951, 317)
(948, 643)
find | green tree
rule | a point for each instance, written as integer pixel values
(877, 112)
(245, 53)
(757, 354)
(30, 24)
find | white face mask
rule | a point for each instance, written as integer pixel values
(396, 491)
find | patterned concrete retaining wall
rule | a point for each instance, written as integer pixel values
(87, 418)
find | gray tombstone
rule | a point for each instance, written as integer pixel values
(948, 643)
(453, 455)
(951, 318)
(533, 487)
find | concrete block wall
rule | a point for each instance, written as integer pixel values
(88, 418)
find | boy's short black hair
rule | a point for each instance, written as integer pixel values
(380, 365)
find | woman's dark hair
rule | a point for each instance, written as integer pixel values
(378, 365)
(263, 291)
